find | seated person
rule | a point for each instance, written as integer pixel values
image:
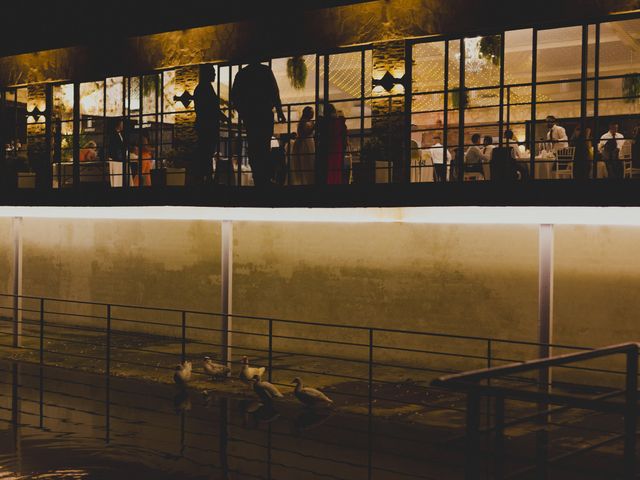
(512, 142)
(89, 153)
(474, 158)
(487, 146)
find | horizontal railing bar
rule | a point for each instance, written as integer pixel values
(313, 324)
(486, 373)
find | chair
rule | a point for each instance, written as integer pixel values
(564, 162)
(626, 157)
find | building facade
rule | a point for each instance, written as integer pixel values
(406, 75)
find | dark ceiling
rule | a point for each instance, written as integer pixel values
(32, 25)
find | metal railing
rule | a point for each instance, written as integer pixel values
(373, 371)
(482, 383)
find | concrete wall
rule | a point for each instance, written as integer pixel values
(169, 264)
(476, 280)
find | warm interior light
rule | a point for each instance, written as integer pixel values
(620, 216)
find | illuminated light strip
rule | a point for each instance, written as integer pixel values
(620, 216)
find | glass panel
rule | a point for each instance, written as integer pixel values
(150, 102)
(518, 45)
(482, 61)
(296, 77)
(169, 91)
(115, 96)
(63, 101)
(133, 95)
(428, 67)
(345, 70)
(454, 64)
(92, 98)
(559, 54)
(620, 47)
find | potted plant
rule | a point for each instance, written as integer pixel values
(631, 87)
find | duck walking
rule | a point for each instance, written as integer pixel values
(182, 373)
(215, 370)
(265, 390)
(247, 373)
(311, 397)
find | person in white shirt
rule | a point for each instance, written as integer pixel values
(437, 157)
(556, 135)
(610, 145)
(487, 146)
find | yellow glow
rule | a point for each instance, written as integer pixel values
(621, 216)
(397, 71)
(398, 89)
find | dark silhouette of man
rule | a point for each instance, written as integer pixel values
(117, 148)
(208, 115)
(254, 95)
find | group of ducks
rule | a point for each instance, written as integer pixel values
(265, 391)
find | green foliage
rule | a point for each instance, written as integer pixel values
(631, 88)
(372, 151)
(297, 72)
(490, 49)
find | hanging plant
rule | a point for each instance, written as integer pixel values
(490, 49)
(297, 72)
(631, 87)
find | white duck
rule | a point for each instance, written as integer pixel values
(182, 373)
(310, 396)
(215, 370)
(247, 373)
(265, 390)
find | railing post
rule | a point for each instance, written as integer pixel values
(17, 281)
(270, 349)
(226, 290)
(631, 414)
(498, 453)
(472, 447)
(183, 355)
(41, 331)
(108, 343)
(370, 416)
(41, 376)
(370, 372)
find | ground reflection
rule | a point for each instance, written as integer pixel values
(57, 423)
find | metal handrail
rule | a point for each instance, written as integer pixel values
(289, 321)
(477, 383)
(463, 380)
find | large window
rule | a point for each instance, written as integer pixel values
(543, 97)
(549, 101)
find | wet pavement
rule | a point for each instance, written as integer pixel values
(65, 418)
(57, 423)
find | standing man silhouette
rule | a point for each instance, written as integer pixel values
(254, 95)
(208, 115)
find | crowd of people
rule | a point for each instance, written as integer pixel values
(485, 158)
